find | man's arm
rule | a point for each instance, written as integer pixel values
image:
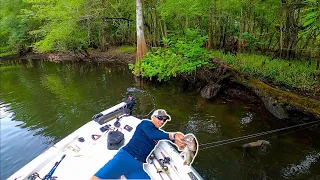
(156, 134)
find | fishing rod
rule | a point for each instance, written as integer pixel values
(167, 160)
(228, 141)
(49, 175)
(163, 168)
(152, 156)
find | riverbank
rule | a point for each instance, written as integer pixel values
(124, 55)
(214, 81)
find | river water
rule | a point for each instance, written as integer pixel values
(42, 102)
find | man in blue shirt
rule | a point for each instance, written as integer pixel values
(129, 159)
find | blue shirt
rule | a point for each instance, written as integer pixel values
(144, 140)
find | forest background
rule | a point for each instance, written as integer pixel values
(274, 40)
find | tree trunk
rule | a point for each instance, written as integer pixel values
(241, 26)
(318, 62)
(290, 28)
(281, 39)
(165, 29)
(103, 33)
(141, 42)
(214, 23)
(89, 32)
(210, 33)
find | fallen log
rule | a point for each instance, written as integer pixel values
(277, 101)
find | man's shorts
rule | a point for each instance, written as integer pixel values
(125, 164)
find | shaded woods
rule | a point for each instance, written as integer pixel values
(177, 33)
(279, 28)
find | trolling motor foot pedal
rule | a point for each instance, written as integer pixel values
(117, 124)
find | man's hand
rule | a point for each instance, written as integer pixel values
(178, 140)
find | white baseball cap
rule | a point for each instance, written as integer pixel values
(161, 112)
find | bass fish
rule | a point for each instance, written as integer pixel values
(190, 150)
(257, 143)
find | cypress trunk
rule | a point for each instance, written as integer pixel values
(141, 42)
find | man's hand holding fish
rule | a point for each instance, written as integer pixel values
(178, 140)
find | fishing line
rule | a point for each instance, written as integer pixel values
(135, 90)
(248, 138)
(228, 141)
(259, 134)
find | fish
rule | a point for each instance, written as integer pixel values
(256, 143)
(190, 150)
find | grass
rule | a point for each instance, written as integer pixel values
(294, 73)
(7, 53)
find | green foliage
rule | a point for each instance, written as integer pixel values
(182, 9)
(311, 19)
(14, 26)
(297, 74)
(62, 27)
(182, 55)
(252, 43)
(312, 15)
(7, 53)
(59, 25)
(64, 37)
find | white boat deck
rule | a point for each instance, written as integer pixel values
(84, 159)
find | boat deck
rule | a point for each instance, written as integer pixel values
(84, 159)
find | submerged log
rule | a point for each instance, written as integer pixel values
(277, 101)
(274, 106)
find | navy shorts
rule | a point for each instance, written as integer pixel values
(125, 164)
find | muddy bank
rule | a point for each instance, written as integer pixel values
(282, 104)
(112, 55)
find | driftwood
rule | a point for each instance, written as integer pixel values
(277, 101)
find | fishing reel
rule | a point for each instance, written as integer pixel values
(163, 168)
(165, 160)
(35, 175)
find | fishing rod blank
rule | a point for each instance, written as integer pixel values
(152, 157)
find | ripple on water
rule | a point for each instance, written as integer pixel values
(198, 123)
(247, 119)
(303, 167)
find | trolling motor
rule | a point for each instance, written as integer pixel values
(124, 108)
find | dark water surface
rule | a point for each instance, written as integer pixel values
(42, 102)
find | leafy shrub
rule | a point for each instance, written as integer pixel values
(252, 43)
(182, 54)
